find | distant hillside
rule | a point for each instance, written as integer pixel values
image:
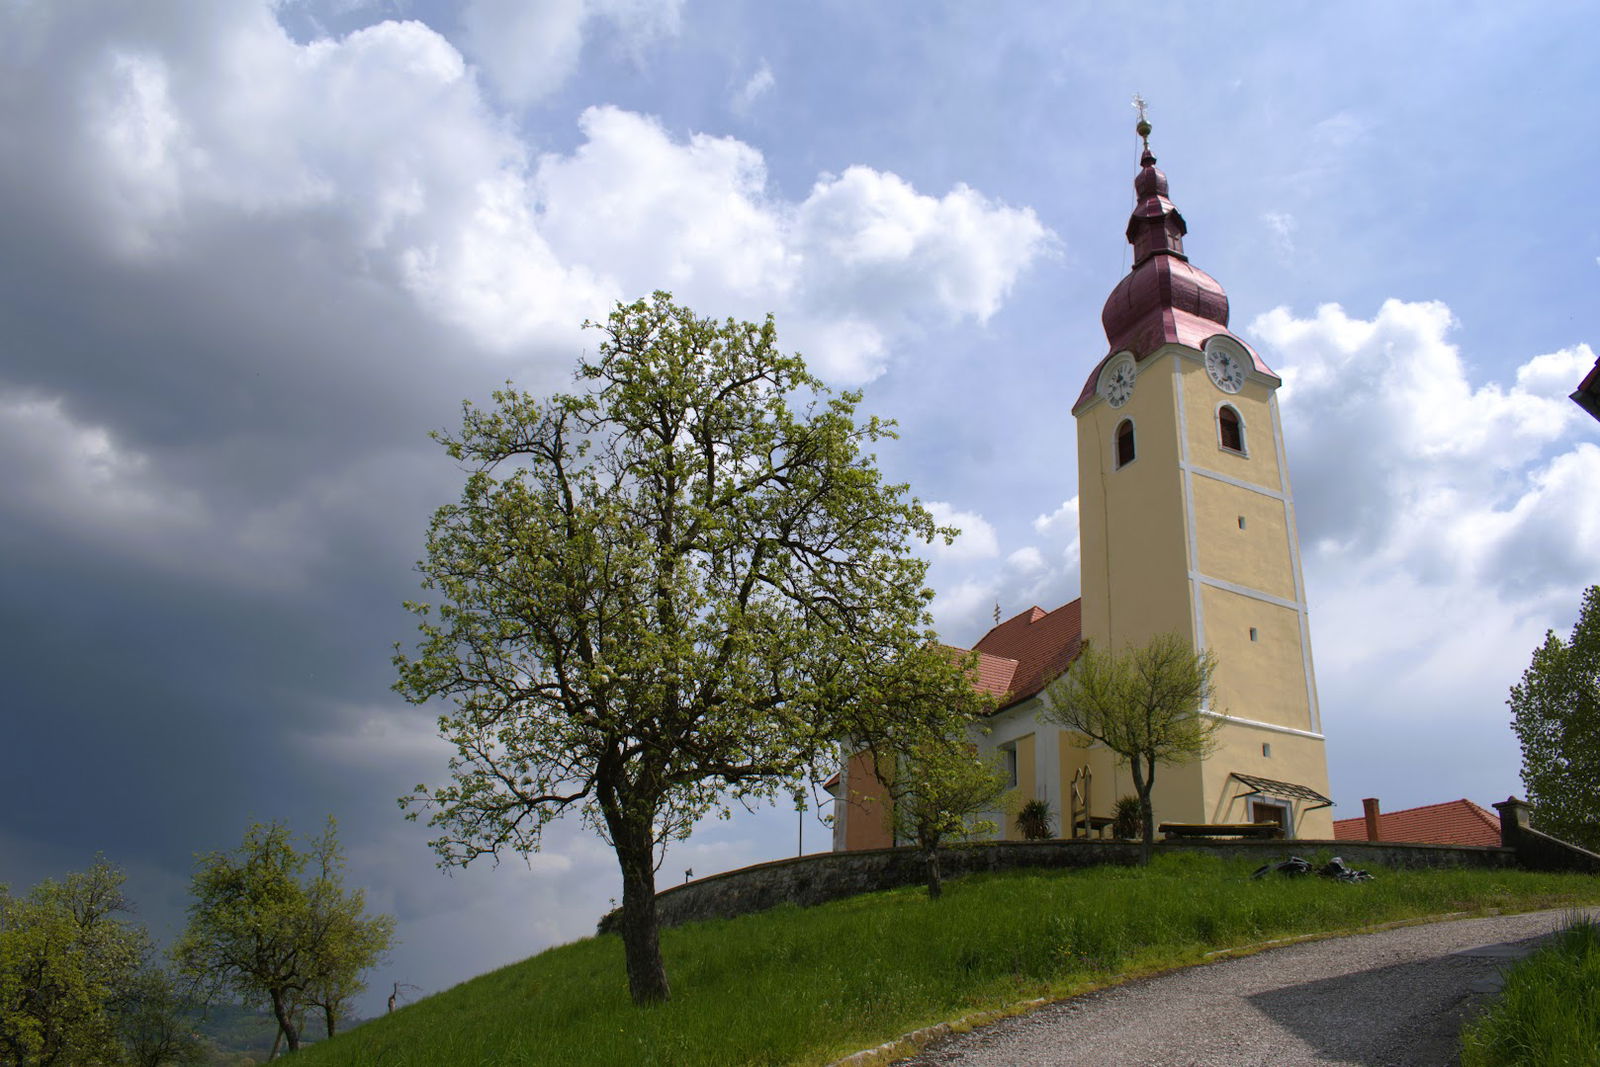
(242, 1035)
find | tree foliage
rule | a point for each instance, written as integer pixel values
(155, 1022)
(913, 722)
(939, 791)
(1144, 705)
(77, 984)
(262, 929)
(656, 596)
(68, 954)
(1555, 711)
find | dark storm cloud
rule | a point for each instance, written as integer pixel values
(217, 478)
(242, 273)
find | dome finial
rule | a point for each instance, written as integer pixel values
(1143, 129)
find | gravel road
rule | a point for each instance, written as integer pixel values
(1393, 997)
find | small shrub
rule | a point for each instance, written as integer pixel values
(1126, 824)
(1033, 820)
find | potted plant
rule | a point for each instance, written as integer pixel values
(1033, 821)
(1125, 819)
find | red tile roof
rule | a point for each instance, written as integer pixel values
(1022, 655)
(1455, 822)
(995, 674)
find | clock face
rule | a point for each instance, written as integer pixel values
(1225, 369)
(1117, 385)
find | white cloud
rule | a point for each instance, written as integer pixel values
(529, 48)
(964, 610)
(870, 240)
(1394, 453)
(380, 146)
(976, 540)
(1282, 225)
(658, 213)
(1444, 526)
(76, 475)
(1063, 521)
(1026, 560)
(758, 85)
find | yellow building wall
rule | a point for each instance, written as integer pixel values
(1027, 784)
(1135, 538)
(1132, 533)
(1254, 555)
(1201, 400)
(1293, 758)
(1177, 796)
(1108, 780)
(1264, 679)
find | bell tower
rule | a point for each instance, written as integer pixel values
(1187, 525)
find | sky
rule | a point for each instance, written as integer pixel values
(252, 252)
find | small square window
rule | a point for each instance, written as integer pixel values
(1266, 750)
(1253, 635)
(1241, 522)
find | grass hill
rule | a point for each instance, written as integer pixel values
(810, 985)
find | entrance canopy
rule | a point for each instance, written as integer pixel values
(1282, 790)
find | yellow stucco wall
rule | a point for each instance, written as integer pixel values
(1293, 758)
(1177, 796)
(1264, 679)
(1135, 539)
(1027, 783)
(1201, 400)
(1255, 555)
(1108, 780)
(1132, 532)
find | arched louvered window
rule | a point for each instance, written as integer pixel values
(1230, 429)
(1125, 447)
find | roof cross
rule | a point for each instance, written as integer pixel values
(1143, 129)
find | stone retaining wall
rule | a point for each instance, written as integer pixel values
(1539, 851)
(808, 880)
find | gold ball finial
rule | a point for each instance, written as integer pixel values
(1143, 129)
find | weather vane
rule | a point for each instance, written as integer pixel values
(1144, 123)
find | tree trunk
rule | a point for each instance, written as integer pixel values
(641, 935)
(329, 1016)
(285, 1018)
(1144, 786)
(930, 855)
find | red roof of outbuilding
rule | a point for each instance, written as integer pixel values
(1455, 822)
(1025, 653)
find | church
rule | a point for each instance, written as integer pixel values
(1186, 525)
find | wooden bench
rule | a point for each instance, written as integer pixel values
(1268, 830)
(1092, 826)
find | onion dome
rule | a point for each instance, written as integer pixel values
(1164, 299)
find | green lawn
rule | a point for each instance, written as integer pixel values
(809, 985)
(1549, 1014)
